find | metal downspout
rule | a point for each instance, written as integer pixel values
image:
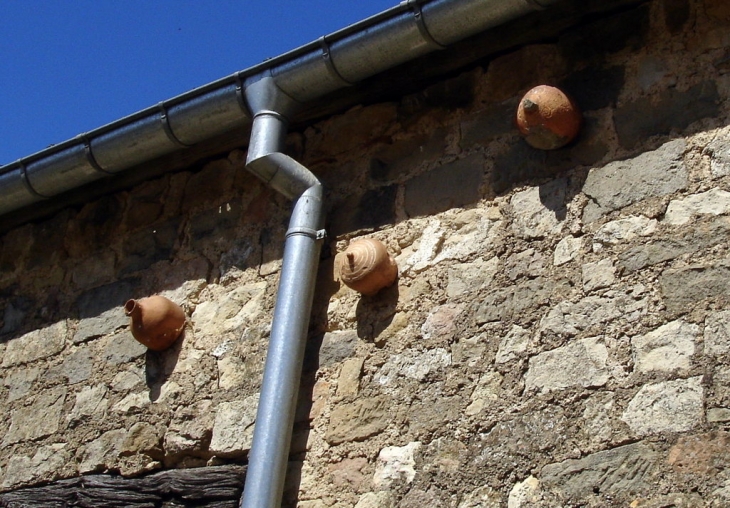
(269, 453)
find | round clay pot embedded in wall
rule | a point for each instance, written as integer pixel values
(367, 267)
(547, 118)
(156, 321)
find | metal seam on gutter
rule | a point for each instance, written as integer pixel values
(26, 181)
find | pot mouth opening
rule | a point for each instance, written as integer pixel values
(129, 307)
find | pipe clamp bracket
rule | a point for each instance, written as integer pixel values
(314, 234)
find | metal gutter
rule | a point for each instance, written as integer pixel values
(409, 30)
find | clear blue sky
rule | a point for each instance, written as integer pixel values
(69, 66)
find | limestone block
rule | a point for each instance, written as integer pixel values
(580, 363)
(39, 419)
(396, 464)
(348, 382)
(414, 365)
(46, 464)
(36, 345)
(598, 275)
(233, 427)
(142, 438)
(566, 250)
(623, 230)
(621, 183)
(465, 278)
(441, 322)
(482, 497)
(670, 406)
(524, 494)
(190, 428)
(539, 211)
(103, 452)
(513, 345)
(713, 202)
(670, 347)
(381, 499)
(358, 420)
(91, 402)
(717, 333)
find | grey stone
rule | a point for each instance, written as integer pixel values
(539, 211)
(529, 263)
(13, 316)
(670, 406)
(122, 348)
(668, 348)
(101, 310)
(20, 382)
(590, 314)
(233, 427)
(661, 113)
(39, 419)
(395, 161)
(336, 346)
(621, 183)
(683, 288)
(77, 366)
(506, 303)
(396, 464)
(580, 363)
(717, 333)
(713, 202)
(486, 392)
(358, 420)
(619, 471)
(451, 185)
(695, 239)
(488, 124)
(35, 345)
(598, 275)
(598, 420)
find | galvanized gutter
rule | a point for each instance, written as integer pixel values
(402, 33)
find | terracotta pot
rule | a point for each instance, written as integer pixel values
(367, 267)
(548, 118)
(156, 321)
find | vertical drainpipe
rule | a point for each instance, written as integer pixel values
(269, 453)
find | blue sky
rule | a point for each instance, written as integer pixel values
(69, 66)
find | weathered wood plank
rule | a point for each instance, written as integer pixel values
(207, 487)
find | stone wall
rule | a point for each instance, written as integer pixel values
(559, 334)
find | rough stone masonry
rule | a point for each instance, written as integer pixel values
(559, 334)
